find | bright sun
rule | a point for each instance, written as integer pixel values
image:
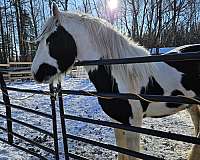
(112, 4)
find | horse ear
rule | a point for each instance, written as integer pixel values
(56, 11)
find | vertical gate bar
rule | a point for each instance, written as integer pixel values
(61, 106)
(53, 109)
(8, 108)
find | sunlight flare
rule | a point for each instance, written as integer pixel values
(113, 4)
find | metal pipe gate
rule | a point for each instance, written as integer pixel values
(53, 92)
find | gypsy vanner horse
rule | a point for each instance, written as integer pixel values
(67, 37)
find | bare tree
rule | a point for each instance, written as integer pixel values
(3, 49)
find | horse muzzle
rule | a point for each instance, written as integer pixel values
(44, 73)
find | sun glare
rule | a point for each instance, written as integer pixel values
(113, 4)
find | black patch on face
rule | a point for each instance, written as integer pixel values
(175, 105)
(117, 109)
(44, 72)
(152, 88)
(191, 82)
(62, 47)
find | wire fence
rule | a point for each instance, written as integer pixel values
(53, 92)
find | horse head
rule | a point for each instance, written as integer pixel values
(62, 40)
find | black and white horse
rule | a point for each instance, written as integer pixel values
(67, 37)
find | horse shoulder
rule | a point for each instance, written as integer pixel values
(104, 82)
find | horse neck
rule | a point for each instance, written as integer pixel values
(133, 75)
(110, 44)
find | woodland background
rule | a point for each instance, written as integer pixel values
(152, 23)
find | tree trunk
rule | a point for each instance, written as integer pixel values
(13, 33)
(3, 55)
(66, 4)
(43, 10)
(174, 24)
(19, 29)
(159, 14)
(33, 19)
(7, 30)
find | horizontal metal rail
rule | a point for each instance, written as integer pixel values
(29, 110)
(155, 98)
(114, 148)
(28, 90)
(27, 125)
(189, 56)
(172, 136)
(30, 141)
(144, 59)
(24, 149)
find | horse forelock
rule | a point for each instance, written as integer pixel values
(47, 29)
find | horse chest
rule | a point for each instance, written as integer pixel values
(116, 108)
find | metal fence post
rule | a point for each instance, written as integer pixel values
(62, 117)
(53, 109)
(8, 108)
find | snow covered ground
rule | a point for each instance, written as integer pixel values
(86, 107)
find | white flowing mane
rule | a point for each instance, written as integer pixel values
(111, 44)
(114, 45)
